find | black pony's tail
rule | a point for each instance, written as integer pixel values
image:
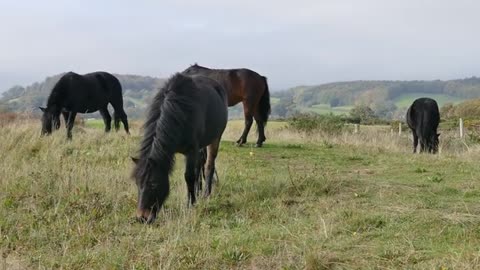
(264, 108)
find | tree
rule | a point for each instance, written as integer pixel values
(334, 102)
(384, 110)
(363, 113)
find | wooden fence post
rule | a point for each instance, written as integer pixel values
(461, 127)
(400, 128)
(356, 128)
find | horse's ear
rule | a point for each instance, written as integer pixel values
(42, 109)
(135, 160)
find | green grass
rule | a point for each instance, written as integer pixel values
(297, 203)
(406, 100)
(325, 109)
(274, 100)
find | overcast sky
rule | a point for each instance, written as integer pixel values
(290, 42)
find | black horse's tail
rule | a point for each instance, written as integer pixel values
(264, 108)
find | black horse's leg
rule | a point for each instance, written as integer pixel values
(116, 121)
(70, 122)
(261, 131)
(212, 151)
(415, 142)
(119, 114)
(190, 175)
(107, 119)
(248, 124)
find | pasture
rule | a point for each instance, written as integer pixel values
(349, 201)
(405, 100)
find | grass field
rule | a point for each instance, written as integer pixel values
(406, 100)
(325, 109)
(352, 201)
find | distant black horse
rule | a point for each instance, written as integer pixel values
(188, 114)
(423, 119)
(246, 86)
(87, 93)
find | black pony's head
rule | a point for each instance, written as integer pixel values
(434, 142)
(152, 186)
(50, 120)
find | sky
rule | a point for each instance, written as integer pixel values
(291, 42)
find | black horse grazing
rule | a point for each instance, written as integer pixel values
(423, 118)
(188, 114)
(246, 86)
(87, 93)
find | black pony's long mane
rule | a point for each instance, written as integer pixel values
(165, 125)
(56, 93)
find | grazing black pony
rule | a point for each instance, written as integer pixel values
(246, 86)
(188, 114)
(423, 119)
(87, 93)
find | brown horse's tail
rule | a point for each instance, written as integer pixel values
(264, 108)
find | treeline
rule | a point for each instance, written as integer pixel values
(379, 96)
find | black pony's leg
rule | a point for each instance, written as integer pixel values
(65, 117)
(261, 131)
(70, 122)
(212, 151)
(107, 119)
(200, 170)
(190, 175)
(248, 124)
(422, 145)
(415, 142)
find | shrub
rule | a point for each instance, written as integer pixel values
(310, 123)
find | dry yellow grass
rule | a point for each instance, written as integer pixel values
(351, 201)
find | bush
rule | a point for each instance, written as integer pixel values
(310, 123)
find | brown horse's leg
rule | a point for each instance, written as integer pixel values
(190, 175)
(248, 124)
(212, 151)
(261, 131)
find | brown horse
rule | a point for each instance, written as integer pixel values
(246, 86)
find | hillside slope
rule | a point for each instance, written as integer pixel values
(397, 95)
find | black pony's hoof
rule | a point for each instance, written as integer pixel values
(258, 145)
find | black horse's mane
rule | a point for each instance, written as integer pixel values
(56, 93)
(166, 118)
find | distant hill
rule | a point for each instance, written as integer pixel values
(389, 99)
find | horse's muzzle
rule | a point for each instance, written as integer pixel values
(146, 215)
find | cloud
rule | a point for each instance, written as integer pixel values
(300, 42)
